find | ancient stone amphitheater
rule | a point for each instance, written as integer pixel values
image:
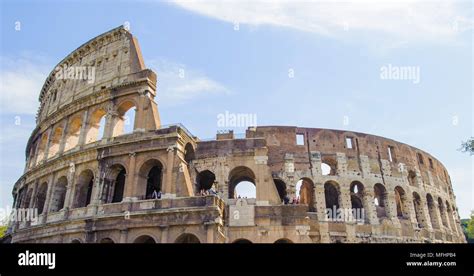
(145, 186)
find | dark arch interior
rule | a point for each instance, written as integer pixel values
(119, 186)
(153, 181)
(331, 195)
(189, 154)
(242, 241)
(187, 238)
(144, 239)
(205, 180)
(281, 188)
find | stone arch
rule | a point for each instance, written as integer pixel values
(242, 240)
(412, 178)
(26, 202)
(204, 180)
(380, 200)
(144, 239)
(449, 212)
(283, 240)
(150, 178)
(84, 187)
(96, 125)
(55, 141)
(59, 194)
(114, 187)
(125, 115)
(76, 241)
(401, 203)
(432, 211)
(442, 212)
(281, 188)
(41, 155)
(41, 197)
(417, 204)
(106, 240)
(358, 201)
(189, 153)
(73, 133)
(237, 176)
(328, 165)
(332, 196)
(187, 238)
(305, 193)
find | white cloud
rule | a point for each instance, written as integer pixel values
(178, 84)
(21, 80)
(402, 19)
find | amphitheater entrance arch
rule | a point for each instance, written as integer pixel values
(242, 183)
(187, 238)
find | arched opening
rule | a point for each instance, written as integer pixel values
(358, 201)
(114, 185)
(305, 193)
(411, 178)
(442, 212)
(83, 191)
(187, 238)
(124, 122)
(145, 239)
(400, 200)
(331, 194)
(283, 241)
(432, 211)
(380, 199)
(96, 126)
(74, 131)
(281, 189)
(241, 241)
(204, 181)
(59, 194)
(242, 183)
(55, 142)
(106, 240)
(119, 186)
(449, 213)
(357, 195)
(26, 202)
(76, 241)
(150, 179)
(328, 165)
(189, 154)
(418, 210)
(42, 148)
(41, 197)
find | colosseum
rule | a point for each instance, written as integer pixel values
(162, 184)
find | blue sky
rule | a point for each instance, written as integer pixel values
(238, 57)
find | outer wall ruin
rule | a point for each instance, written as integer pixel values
(100, 185)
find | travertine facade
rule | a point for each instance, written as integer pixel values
(93, 190)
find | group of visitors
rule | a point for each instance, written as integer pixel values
(294, 200)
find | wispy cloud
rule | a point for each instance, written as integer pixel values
(178, 84)
(401, 19)
(21, 80)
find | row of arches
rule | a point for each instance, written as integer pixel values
(183, 238)
(67, 135)
(150, 177)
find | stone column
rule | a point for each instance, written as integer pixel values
(321, 211)
(48, 143)
(69, 200)
(370, 207)
(62, 143)
(168, 188)
(131, 183)
(84, 128)
(164, 234)
(426, 214)
(123, 236)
